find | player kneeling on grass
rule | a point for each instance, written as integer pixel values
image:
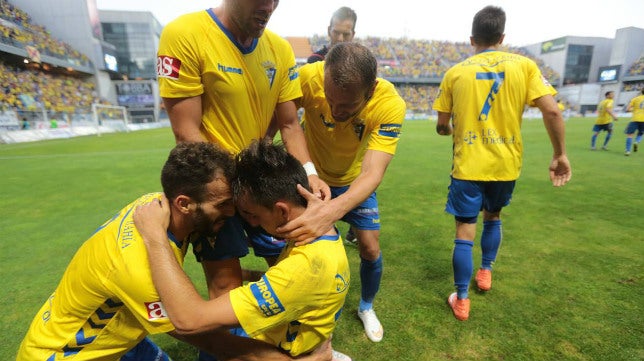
(296, 303)
(106, 304)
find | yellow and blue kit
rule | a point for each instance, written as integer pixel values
(296, 304)
(239, 86)
(105, 303)
(486, 95)
(337, 148)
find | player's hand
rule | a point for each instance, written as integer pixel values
(560, 171)
(152, 219)
(314, 222)
(324, 352)
(319, 187)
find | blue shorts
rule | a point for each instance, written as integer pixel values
(365, 216)
(635, 126)
(599, 127)
(144, 351)
(467, 198)
(230, 242)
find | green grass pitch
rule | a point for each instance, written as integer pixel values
(568, 282)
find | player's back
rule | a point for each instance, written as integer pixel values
(88, 315)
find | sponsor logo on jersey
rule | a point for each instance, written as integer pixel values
(229, 69)
(293, 73)
(168, 67)
(155, 311)
(390, 130)
(267, 300)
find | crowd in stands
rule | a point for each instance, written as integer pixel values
(35, 90)
(414, 59)
(637, 68)
(17, 29)
(400, 59)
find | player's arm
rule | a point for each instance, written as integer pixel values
(185, 118)
(560, 171)
(222, 275)
(443, 124)
(189, 313)
(198, 321)
(611, 112)
(226, 346)
(293, 138)
(319, 216)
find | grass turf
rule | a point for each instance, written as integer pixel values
(567, 282)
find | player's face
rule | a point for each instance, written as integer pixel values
(341, 31)
(260, 216)
(251, 16)
(346, 103)
(211, 214)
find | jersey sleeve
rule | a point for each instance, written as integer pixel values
(443, 102)
(131, 278)
(273, 301)
(178, 68)
(390, 111)
(290, 82)
(538, 86)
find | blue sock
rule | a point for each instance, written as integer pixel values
(370, 275)
(462, 264)
(608, 136)
(638, 139)
(629, 143)
(490, 242)
(593, 140)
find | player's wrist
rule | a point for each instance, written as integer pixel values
(309, 168)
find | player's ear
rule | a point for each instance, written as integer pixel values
(184, 204)
(284, 210)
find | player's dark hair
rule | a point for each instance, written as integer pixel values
(345, 13)
(488, 26)
(191, 166)
(350, 64)
(608, 92)
(267, 173)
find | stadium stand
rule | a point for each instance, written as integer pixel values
(36, 93)
(416, 66)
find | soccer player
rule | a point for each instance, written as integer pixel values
(106, 304)
(636, 106)
(605, 118)
(222, 76)
(296, 303)
(352, 123)
(484, 96)
(341, 28)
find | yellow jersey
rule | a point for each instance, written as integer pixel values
(603, 117)
(106, 303)
(239, 87)
(296, 304)
(486, 95)
(637, 105)
(337, 148)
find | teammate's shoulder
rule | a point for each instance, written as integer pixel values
(188, 18)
